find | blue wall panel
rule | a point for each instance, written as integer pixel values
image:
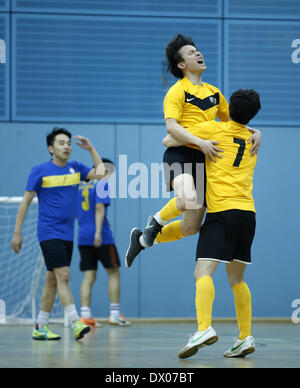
(274, 274)
(266, 9)
(4, 5)
(258, 55)
(93, 69)
(4, 67)
(127, 150)
(123, 7)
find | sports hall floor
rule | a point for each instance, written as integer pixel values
(148, 345)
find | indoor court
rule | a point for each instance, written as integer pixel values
(147, 345)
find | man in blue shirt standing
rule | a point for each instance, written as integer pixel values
(96, 243)
(56, 185)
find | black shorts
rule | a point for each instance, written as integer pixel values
(90, 255)
(227, 236)
(179, 160)
(57, 253)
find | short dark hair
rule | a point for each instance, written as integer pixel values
(57, 131)
(104, 160)
(173, 56)
(244, 105)
(107, 161)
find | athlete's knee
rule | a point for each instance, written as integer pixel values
(205, 268)
(113, 272)
(234, 279)
(186, 193)
(89, 277)
(63, 275)
(188, 201)
(235, 274)
(50, 279)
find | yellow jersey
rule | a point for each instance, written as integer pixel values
(229, 180)
(191, 104)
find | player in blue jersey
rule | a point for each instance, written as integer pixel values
(96, 243)
(56, 185)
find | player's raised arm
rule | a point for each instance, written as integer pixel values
(17, 240)
(99, 171)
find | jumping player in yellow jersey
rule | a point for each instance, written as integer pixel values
(229, 227)
(187, 104)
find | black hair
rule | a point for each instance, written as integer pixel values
(244, 105)
(173, 55)
(108, 161)
(104, 160)
(57, 131)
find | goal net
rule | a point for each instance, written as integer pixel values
(21, 276)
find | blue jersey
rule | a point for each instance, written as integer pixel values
(56, 188)
(89, 194)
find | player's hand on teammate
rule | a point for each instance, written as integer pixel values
(83, 142)
(16, 243)
(210, 149)
(255, 139)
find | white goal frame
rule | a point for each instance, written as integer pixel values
(35, 285)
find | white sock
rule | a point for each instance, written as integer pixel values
(85, 312)
(72, 314)
(159, 219)
(142, 242)
(43, 318)
(115, 309)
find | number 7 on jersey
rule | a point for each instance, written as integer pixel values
(240, 152)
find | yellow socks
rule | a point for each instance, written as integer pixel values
(205, 295)
(170, 232)
(170, 210)
(243, 307)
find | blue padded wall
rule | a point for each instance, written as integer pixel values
(4, 5)
(123, 7)
(266, 9)
(64, 66)
(258, 55)
(85, 69)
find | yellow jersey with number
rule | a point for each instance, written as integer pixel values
(191, 104)
(229, 180)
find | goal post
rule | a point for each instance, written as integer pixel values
(21, 275)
